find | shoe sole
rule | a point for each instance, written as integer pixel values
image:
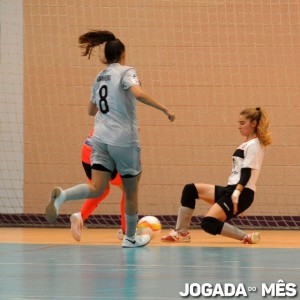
(254, 239)
(136, 246)
(172, 240)
(74, 222)
(51, 212)
(179, 241)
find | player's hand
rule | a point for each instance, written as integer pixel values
(235, 200)
(171, 116)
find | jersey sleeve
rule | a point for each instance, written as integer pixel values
(130, 79)
(94, 92)
(252, 156)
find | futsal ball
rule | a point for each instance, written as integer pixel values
(149, 225)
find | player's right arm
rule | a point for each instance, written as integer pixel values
(143, 97)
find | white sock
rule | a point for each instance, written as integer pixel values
(131, 221)
(232, 232)
(76, 192)
(184, 219)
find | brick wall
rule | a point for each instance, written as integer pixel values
(206, 60)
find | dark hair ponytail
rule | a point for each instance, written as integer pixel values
(113, 47)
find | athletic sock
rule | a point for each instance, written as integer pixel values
(60, 200)
(123, 219)
(232, 232)
(184, 219)
(77, 192)
(131, 221)
(91, 204)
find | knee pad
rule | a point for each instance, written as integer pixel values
(189, 196)
(212, 225)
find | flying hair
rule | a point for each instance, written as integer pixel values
(259, 115)
(92, 39)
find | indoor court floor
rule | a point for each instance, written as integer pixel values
(46, 263)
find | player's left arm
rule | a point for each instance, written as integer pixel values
(245, 176)
(248, 164)
(92, 109)
(251, 162)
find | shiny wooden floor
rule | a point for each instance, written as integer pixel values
(269, 238)
(40, 264)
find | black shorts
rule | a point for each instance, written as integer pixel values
(223, 198)
(88, 171)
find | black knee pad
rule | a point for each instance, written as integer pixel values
(212, 225)
(189, 196)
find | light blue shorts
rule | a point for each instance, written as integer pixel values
(127, 160)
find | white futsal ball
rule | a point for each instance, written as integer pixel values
(149, 225)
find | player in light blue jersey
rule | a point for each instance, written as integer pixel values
(115, 140)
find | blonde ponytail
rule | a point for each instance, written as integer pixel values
(259, 115)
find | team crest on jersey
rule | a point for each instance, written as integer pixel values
(134, 77)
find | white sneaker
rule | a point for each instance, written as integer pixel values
(251, 238)
(176, 236)
(76, 226)
(139, 231)
(120, 235)
(138, 241)
(51, 212)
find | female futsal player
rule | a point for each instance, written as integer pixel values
(90, 205)
(230, 201)
(115, 140)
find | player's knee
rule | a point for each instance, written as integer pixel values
(189, 196)
(212, 225)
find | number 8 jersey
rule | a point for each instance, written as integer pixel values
(115, 121)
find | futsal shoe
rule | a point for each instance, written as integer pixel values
(176, 236)
(51, 212)
(251, 238)
(120, 234)
(76, 226)
(137, 241)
